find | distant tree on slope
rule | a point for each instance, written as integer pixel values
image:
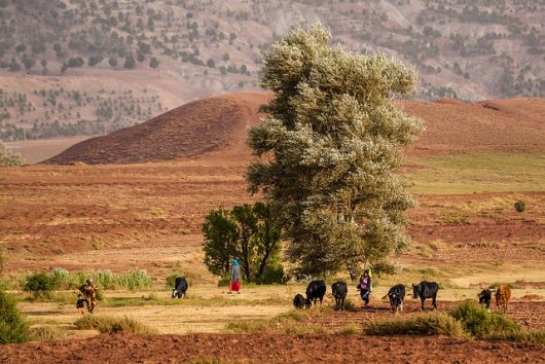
(331, 144)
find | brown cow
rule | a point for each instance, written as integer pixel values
(503, 295)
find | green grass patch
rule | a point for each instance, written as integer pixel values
(479, 172)
(110, 325)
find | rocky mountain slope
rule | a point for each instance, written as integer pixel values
(92, 66)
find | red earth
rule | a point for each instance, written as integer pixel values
(271, 348)
(220, 124)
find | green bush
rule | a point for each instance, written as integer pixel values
(520, 206)
(274, 274)
(427, 324)
(40, 284)
(480, 323)
(110, 325)
(13, 328)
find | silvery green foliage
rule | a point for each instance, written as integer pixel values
(330, 148)
(9, 159)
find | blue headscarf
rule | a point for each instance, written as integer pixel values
(235, 262)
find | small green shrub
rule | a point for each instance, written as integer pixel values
(274, 274)
(426, 324)
(520, 206)
(13, 328)
(110, 325)
(480, 323)
(135, 280)
(40, 284)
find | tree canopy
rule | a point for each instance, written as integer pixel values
(246, 233)
(328, 151)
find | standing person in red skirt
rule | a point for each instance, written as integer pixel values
(235, 278)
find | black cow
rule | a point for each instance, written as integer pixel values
(426, 290)
(485, 297)
(316, 290)
(299, 302)
(396, 294)
(180, 288)
(339, 290)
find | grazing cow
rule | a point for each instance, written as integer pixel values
(426, 290)
(339, 290)
(503, 295)
(485, 297)
(316, 290)
(396, 294)
(180, 288)
(299, 302)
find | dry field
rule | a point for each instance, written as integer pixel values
(466, 235)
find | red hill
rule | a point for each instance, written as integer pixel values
(220, 124)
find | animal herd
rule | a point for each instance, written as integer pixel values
(316, 290)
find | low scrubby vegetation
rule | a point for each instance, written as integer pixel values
(13, 327)
(110, 325)
(480, 323)
(467, 320)
(47, 333)
(425, 324)
(42, 283)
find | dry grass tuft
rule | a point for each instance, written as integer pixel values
(107, 324)
(426, 324)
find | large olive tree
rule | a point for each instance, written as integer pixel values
(329, 149)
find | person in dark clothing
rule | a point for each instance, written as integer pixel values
(235, 284)
(365, 287)
(80, 304)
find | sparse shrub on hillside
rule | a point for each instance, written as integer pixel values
(9, 159)
(520, 206)
(13, 328)
(436, 323)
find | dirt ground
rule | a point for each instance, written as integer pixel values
(121, 217)
(272, 348)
